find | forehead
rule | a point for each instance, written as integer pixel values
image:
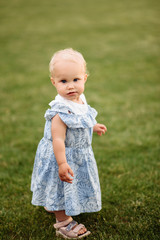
(65, 67)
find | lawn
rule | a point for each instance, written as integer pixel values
(120, 42)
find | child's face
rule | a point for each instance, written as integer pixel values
(69, 79)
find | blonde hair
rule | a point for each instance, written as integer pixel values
(66, 54)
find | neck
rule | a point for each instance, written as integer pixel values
(76, 100)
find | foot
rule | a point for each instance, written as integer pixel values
(81, 231)
(71, 229)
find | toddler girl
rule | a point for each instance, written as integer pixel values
(65, 178)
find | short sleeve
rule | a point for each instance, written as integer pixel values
(71, 119)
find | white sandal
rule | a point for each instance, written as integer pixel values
(69, 229)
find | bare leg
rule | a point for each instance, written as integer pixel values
(61, 216)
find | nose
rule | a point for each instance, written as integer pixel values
(70, 85)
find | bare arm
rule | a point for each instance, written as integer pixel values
(100, 129)
(58, 131)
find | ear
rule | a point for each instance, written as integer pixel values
(85, 77)
(52, 81)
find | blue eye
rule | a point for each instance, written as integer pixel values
(63, 81)
(75, 80)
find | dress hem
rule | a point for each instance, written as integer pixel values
(67, 213)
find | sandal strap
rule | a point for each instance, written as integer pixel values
(63, 223)
(72, 232)
(71, 225)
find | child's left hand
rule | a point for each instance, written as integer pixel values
(100, 129)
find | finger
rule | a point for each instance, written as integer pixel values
(102, 130)
(70, 172)
(66, 178)
(104, 127)
(68, 181)
(99, 133)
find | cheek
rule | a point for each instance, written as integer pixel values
(59, 88)
(82, 86)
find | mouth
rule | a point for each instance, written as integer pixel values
(71, 93)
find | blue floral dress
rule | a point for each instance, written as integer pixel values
(84, 194)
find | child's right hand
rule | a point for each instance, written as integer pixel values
(64, 171)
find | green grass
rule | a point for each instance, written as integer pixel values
(120, 41)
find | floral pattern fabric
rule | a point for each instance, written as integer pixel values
(84, 194)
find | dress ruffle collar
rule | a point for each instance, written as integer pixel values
(76, 108)
(70, 117)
